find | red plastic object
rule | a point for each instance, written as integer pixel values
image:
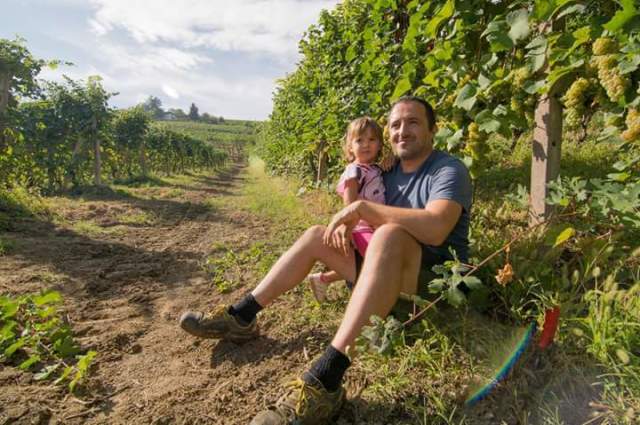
(549, 328)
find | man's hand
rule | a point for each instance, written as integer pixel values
(338, 233)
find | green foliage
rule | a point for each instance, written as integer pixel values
(477, 63)
(453, 275)
(614, 200)
(382, 336)
(34, 337)
(19, 203)
(50, 141)
(22, 68)
(6, 246)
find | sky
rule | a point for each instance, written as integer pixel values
(223, 55)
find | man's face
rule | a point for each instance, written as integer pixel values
(409, 130)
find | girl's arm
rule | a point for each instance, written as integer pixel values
(350, 193)
(342, 236)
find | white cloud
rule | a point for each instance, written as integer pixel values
(136, 72)
(273, 26)
(223, 56)
(170, 91)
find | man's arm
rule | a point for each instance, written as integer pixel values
(430, 225)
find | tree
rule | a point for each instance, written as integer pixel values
(178, 113)
(193, 112)
(153, 105)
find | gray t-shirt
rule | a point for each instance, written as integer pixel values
(441, 176)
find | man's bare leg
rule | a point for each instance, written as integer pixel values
(295, 264)
(237, 322)
(390, 267)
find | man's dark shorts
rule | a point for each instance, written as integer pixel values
(404, 307)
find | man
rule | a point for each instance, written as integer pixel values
(427, 212)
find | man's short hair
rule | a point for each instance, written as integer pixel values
(431, 115)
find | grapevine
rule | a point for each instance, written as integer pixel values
(467, 60)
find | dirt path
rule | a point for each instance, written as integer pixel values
(124, 291)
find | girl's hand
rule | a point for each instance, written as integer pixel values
(341, 239)
(345, 220)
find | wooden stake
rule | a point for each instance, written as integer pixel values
(545, 160)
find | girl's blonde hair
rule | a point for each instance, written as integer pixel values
(356, 129)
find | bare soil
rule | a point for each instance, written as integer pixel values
(124, 291)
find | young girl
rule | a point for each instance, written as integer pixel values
(361, 179)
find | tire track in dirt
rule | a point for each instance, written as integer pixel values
(124, 294)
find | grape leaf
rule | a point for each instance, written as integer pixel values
(467, 97)
(623, 16)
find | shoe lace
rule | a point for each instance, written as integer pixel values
(217, 311)
(305, 393)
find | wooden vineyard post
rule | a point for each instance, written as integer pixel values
(545, 160)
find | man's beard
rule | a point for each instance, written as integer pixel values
(413, 152)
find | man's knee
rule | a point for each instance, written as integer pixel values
(393, 234)
(314, 233)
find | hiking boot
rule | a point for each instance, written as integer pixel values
(218, 324)
(303, 404)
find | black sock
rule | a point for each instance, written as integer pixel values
(245, 310)
(328, 369)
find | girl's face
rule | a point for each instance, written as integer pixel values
(365, 147)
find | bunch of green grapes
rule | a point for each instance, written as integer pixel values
(606, 64)
(574, 100)
(520, 76)
(476, 148)
(604, 46)
(632, 133)
(447, 102)
(464, 80)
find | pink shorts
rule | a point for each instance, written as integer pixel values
(361, 239)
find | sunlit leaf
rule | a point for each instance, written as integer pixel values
(403, 86)
(48, 298)
(467, 97)
(623, 16)
(564, 236)
(33, 359)
(10, 350)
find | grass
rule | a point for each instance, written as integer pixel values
(138, 218)
(6, 246)
(19, 203)
(282, 200)
(88, 228)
